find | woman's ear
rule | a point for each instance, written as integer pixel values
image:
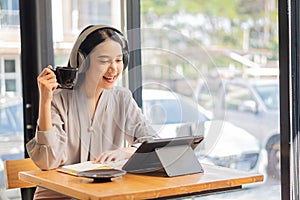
(84, 63)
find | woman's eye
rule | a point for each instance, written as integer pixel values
(104, 61)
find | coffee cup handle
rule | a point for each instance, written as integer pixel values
(58, 84)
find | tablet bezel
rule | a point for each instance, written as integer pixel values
(149, 146)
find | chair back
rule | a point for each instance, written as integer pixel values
(12, 169)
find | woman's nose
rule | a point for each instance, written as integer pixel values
(112, 67)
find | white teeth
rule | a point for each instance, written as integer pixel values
(109, 78)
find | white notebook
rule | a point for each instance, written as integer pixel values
(89, 165)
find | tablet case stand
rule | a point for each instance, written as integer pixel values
(178, 160)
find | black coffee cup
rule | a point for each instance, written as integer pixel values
(66, 77)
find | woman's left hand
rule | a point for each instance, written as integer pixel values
(115, 155)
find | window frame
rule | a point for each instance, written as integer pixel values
(287, 27)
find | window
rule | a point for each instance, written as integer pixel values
(204, 51)
(11, 104)
(9, 66)
(255, 37)
(9, 10)
(93, 12)
(235, 96)
(10, 77)
(73, 16)
(10, 85)
(9, 5)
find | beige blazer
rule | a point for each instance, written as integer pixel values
(75, 137)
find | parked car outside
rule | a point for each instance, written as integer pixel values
(174, 115)
(249, 103)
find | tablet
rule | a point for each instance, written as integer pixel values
(145, 159)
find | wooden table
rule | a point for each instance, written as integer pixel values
(133, 186)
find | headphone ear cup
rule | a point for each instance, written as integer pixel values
(125, 59)
(125, 51)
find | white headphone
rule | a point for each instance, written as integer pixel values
(76, 58)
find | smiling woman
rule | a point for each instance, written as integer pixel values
(91, 121)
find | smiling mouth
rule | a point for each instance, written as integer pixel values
(110, 78)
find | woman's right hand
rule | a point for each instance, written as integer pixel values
(47, 84)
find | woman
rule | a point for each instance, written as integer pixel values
(91, 121)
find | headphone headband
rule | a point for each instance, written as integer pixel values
(73, 60)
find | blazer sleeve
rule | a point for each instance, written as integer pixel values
(46, 149)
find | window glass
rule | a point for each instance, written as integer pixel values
(9, 10)
(10, 76)
(235, 96)
(69, 17)
(158, 110)
(74, 15)
(11, 104)
(9, 66)
(9, 4)
(10, 85)
(205, 98)
(269, 95)
(93, 12)
(4, 119)
(223, 57)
